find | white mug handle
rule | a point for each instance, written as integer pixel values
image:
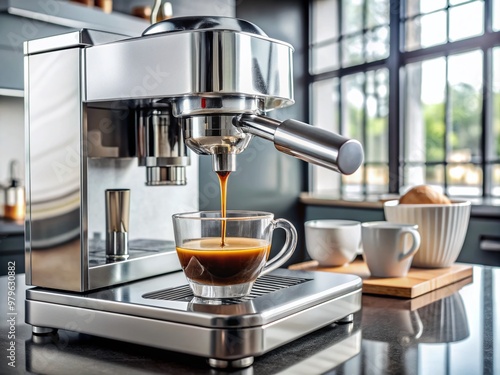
(414, 247)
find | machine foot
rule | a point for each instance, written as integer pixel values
(43, 330)
(346, 319)
(237, 363)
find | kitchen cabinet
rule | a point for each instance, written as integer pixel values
(343, 213)
(14, 31)
(22, 20)
(482, 243)
(11, 245)
(11, 250)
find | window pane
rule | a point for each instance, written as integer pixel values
(466, 21)
(377, 13)
(424, 127)
(442, 142)
(377, 44)
(426, 31)
(414, 7)
(382, 91)
(427, 6)
(377, 179)
(352, 50)
(352, 16)
(324, 20)
(495, 87)
(465, 87)
(464, 180)
(353, 101)
(325, 58)
(495, 177)
(352, 185)
(325, 104)
(455, 2)
(421, 174)
(496, 15)
(377, 133)
(325, 114)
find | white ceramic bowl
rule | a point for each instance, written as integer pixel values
(442, 229)
(333, 242)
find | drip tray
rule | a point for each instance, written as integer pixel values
(264, 285)
(162, 312)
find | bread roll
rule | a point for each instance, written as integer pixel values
(423, 195)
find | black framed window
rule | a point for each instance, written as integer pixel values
(418, 83)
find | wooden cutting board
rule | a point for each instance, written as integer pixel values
(418, 281)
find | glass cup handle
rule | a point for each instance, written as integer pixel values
(416, 243)
(287, 249)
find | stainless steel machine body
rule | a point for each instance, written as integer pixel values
(102, 112)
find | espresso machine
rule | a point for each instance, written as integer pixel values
(111, 126)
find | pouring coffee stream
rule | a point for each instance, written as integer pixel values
(223, 177)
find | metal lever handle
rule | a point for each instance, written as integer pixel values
(306, 142)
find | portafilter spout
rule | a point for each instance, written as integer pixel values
(306, 142)
(216, 136)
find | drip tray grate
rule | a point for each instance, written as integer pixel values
(264, 285)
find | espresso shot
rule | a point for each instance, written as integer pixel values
(238, 261)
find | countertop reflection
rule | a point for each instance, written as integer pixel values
(454, 330)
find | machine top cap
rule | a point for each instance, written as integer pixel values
(203, 23)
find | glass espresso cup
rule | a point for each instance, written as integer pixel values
(222, 257)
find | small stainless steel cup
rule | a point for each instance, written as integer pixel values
(117, 223)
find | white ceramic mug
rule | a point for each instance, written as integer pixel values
(387, 249)
(333, 242)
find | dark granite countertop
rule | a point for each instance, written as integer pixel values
(454, 330)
